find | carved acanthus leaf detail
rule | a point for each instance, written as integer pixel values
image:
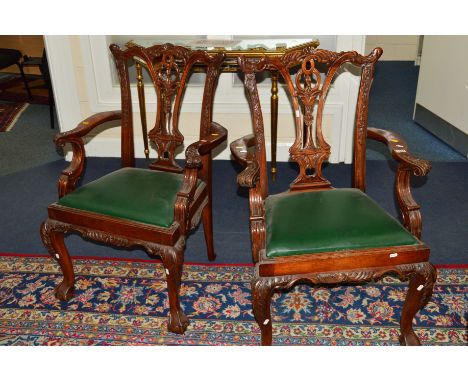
(248, 177)
(51, 225)
(286, 282)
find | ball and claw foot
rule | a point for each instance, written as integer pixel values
(212, 257)
(410, 340)
(64, 292)
(178, 323)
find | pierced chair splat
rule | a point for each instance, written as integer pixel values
(154, 208)
(314, 233)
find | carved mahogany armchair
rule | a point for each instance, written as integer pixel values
(150, 208)
(314, 233)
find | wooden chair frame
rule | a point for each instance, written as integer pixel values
(169, 67)
(281, 273)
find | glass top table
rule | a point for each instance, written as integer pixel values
(264, 45)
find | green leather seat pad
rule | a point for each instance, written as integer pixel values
(327, 221)
(141, 195)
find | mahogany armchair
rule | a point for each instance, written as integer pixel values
(314, 233)
(149, 208)
(9, 57)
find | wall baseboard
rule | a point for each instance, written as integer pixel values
(441, 129)
(110, 148)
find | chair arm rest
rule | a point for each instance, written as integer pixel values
(84, 127)
(217, 136)
(399, 150)
(240, 150)
(72, 173)
(204, 146)
(408, 164)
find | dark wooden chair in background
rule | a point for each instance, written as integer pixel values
(149, 208)
(314, 233)
(43, 65)
(9, 57)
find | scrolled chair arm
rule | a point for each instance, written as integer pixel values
(72, 173)
(85, 126)
(196, 150)
(407, 165)
(399, 150)
(241, 153)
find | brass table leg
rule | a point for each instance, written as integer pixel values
(141, 100)
(274, 121)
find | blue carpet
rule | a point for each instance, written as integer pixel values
(29, 143)
(391, 107)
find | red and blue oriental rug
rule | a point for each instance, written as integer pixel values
(120, 302)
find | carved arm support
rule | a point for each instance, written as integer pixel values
(250, 178)
(407, 165)
(72, 173)
(257, 221)
(193, 163)
(184, 198)
(240, 150)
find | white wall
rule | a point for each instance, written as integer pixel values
(81, 74)
(395, 47)
(443, 79)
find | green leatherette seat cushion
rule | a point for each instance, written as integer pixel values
(141, 195)
(326, 221)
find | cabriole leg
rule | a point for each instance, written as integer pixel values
(173, 259)
(421, 285)
(261, 301)
(52, 234)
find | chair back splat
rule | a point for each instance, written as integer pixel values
(314, 75)
(169, 67)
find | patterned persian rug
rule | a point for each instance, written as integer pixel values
(120, 302)
(9, 114)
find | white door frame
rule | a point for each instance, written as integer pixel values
(60, 60)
